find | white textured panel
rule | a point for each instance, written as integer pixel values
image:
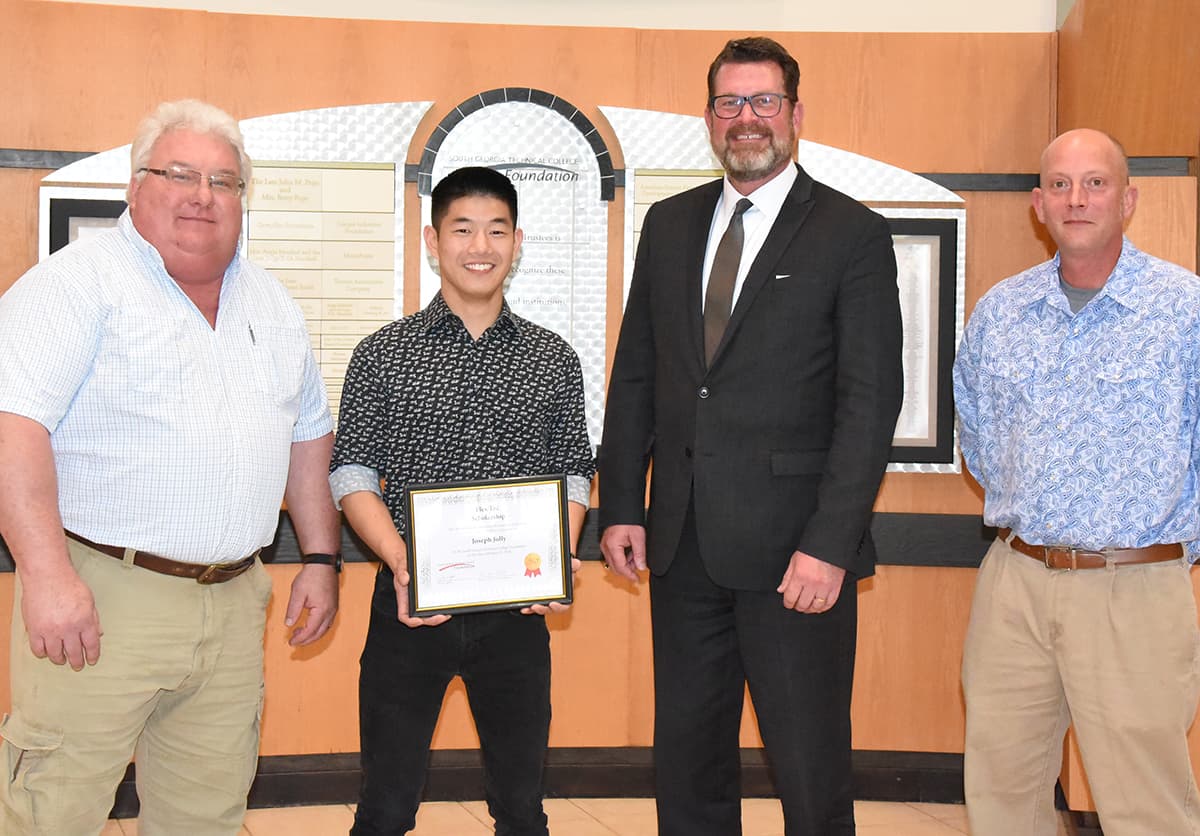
(375, 133)
(562, 277)
(107, 168)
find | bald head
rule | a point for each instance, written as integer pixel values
(1090, 141)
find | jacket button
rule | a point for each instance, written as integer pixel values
(703, 393)
(687, 451)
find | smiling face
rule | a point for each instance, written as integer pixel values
(1084, 197)
(752, 148)
(475, 244)
(194, 229)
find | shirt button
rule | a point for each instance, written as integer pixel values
(703, 393)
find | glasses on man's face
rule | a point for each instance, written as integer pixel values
(764, 105)
(183, 178)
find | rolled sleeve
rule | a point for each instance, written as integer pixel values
(351, 478)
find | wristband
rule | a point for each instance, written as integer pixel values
(334, 560)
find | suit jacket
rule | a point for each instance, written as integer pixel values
(784, 439)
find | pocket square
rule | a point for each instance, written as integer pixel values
(779, 276)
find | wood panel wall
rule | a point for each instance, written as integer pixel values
(79, 77)
(1131, 68)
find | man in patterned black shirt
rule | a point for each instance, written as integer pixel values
(463, 389)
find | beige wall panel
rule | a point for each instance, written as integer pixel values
(929, 493)
(311, 703)
(960, 103)
(1130, 68)
(600, 662)
(262, 65)
(79, 77)
(18, 222)
(1164, 222)
(911, 626)
(928, 102)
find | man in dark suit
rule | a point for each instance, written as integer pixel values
(758, 365)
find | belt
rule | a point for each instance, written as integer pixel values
(205, 573)
(1069, 557)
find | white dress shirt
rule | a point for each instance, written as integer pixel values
(756, 223)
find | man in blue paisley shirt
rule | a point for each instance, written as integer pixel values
(1078, 390)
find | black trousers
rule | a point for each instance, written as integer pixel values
(709, 641)
(504, 661)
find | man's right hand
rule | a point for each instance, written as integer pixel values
(61, 619)
(400, 579)
(624, 549)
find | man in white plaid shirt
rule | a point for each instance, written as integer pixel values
(158, 400)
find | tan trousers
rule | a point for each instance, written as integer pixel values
(1116, 652)
(179, 683)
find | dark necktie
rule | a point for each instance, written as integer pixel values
(718, 299)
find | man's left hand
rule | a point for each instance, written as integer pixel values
(314, 590)
(811, 585)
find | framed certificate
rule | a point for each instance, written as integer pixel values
(494, 545)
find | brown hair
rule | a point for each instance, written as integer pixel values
(755, 51)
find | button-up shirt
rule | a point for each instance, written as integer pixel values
(1082, 428)
(169, 435)
(424, 403)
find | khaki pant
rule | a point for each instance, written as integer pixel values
(1116, 652)
(179, 683)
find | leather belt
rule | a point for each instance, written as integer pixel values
(205, 573)
(1069, 557)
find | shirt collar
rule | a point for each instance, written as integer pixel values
(767, 198)
(439, 317)
(1122, 284)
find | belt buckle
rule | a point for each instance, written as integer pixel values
(209, 575)
(1071, 552)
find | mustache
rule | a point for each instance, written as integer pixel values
(749, 127)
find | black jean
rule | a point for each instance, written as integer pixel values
(504, 661)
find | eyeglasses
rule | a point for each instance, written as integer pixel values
(188, 178)
(764, 105)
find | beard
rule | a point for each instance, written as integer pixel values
(750, 164)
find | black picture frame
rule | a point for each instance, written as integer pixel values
(422, 565)
(940, 446)
(66, 210)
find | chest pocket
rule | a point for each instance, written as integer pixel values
(146, 355)
(279, 358)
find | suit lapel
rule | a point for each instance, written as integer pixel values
(792, 214)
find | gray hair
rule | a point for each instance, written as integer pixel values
(191, 115)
